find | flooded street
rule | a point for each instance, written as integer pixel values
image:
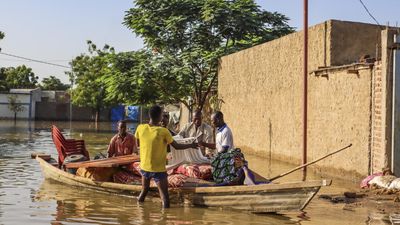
(25, 197)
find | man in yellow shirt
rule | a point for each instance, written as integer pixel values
(153, 140)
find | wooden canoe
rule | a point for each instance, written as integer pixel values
(255, 198)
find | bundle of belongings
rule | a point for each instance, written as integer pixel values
(384, 179)
(185, 168)
(178, 176)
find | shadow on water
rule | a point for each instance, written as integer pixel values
(25, 197)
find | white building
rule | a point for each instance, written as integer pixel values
(25, 97)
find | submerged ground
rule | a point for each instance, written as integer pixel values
(25, 197)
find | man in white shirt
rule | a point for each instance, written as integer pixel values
(224, 137)
(197, 128)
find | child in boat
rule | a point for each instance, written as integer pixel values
(153, 140)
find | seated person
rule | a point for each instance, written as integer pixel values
(122, 143)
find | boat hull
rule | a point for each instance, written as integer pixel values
(256, 198)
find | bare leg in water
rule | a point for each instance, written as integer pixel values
(145, 189)
(163, 190)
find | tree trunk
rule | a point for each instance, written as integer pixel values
(96, 120)
(15, 116)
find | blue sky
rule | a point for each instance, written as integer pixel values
(56, 31)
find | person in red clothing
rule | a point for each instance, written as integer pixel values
(122, 143)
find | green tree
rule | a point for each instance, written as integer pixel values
(127, 70)
(131, 79)
(53, 83)
(188, 37)
(3, 82)
(87, 71)
(20, 77)
(15, 105)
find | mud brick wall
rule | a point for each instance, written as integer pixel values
(378, 124)
(262, 88)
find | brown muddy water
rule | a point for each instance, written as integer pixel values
(26, 198)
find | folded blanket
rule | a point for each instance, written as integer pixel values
(382, 181)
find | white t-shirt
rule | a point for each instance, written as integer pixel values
(224, 138)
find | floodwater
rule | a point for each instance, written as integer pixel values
(25, 197)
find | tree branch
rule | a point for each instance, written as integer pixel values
(201, 105)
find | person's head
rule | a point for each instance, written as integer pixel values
(238, 157)
(165, 119)
(238, 162)
(197, 118)
(217, 119)
(122, 127)
(155, 114)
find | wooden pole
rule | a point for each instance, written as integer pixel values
(305, 88)
(307, 164)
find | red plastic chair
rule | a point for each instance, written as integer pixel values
(66, 147)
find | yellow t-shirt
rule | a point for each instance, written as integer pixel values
(153, 147)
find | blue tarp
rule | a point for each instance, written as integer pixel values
(117, 113)
(132, 113)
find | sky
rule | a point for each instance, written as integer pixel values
(56, 31)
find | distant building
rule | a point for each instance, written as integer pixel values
(25, 97)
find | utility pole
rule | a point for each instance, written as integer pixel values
(305, 69)
(70, 100)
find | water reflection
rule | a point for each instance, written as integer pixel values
(77, 205)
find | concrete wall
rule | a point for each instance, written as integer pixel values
(61, 112)
(6, 113)
(350, 40)
(339, 114)
(262, 88)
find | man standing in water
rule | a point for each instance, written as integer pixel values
(153, 140)
(122, 143)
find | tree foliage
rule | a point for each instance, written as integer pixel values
(185, 39)
(19, 77)
(133, 78)
(87, 71)
(53, 83)
(3, 83)
(16, 77)
(127, 70)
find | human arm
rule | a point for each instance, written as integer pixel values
(207, 145)
(111, 148)
(134, 146)
(176, 145)
(137, 142)
(207, 140)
